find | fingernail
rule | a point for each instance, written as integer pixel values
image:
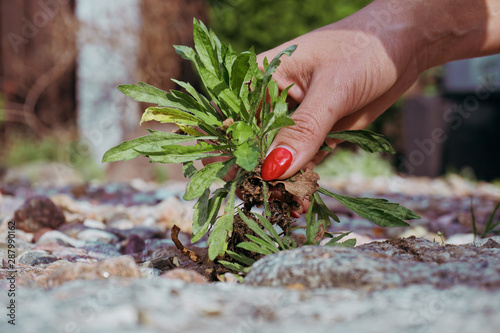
(276, 163)
(294, 214)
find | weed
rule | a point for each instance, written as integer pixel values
(237, 123)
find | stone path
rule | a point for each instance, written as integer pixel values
(99, 258)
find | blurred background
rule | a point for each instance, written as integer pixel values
(61, 60)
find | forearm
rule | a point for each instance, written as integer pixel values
(428, 33)
(456, 29)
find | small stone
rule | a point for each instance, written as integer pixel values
(100, 250)
(186, 275)
(121, 224)
(135, 244)
(58, 237)
(35, 257)
(491, 244)
(37, 235)
(72, 229)
(123, 266)
(139, 231)
(94, 224)
(37, 213)
(97, 235)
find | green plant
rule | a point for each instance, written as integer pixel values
(237, 122)
(490, 225)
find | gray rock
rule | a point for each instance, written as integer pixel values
(380, 265)
(97, 235)
(163, 305)
(35, 257)
(90, 223)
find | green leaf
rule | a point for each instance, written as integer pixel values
(217, 241)
(241, 132)
(241, 258)
(202, 179)
(212, 210)
(239, 71)
(267, 245)
(130, 149)
(252, 247)
(324, 213)
(169, 115)
(264, 195)
(247, 155)
(379, 211)
(200, 147)
(182, 157)
(348, 243)
(269, 227)
(336, 239)
(367, 140)
(255, 228)
(200, 217)
(204, 47)
(188, 169)
(234, 266)
(185, 52)
(145, 93)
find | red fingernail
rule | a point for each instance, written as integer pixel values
(294, 214)
(276, 163)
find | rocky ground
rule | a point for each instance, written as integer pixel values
(99, 257)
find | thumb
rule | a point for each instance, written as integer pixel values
(295, 146)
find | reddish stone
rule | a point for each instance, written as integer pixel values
(38, 213)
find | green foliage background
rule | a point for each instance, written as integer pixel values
(268, 23)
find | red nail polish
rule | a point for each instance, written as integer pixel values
(294, 214)
(276, 163)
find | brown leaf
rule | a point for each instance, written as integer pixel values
(301, 185)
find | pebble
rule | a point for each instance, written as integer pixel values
(100, 250)
(37, 213)
(121, 224)
(94, 224)
(379, 265)
(35, 257)
(58, 237)
(123, 266)
(97, 235)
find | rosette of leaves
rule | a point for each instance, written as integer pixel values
(237, 120)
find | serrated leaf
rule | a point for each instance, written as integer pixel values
(130, 149)
(204, 47)
(324, 213)
(379, 211)
(241, 132)
(169, 115)
(188, 169)
(182, 157)
(185, 52)
(159, 150)
(367, 140)
(217, 241)
(202, 179)
(247, 155)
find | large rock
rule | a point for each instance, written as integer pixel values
(380, 265)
